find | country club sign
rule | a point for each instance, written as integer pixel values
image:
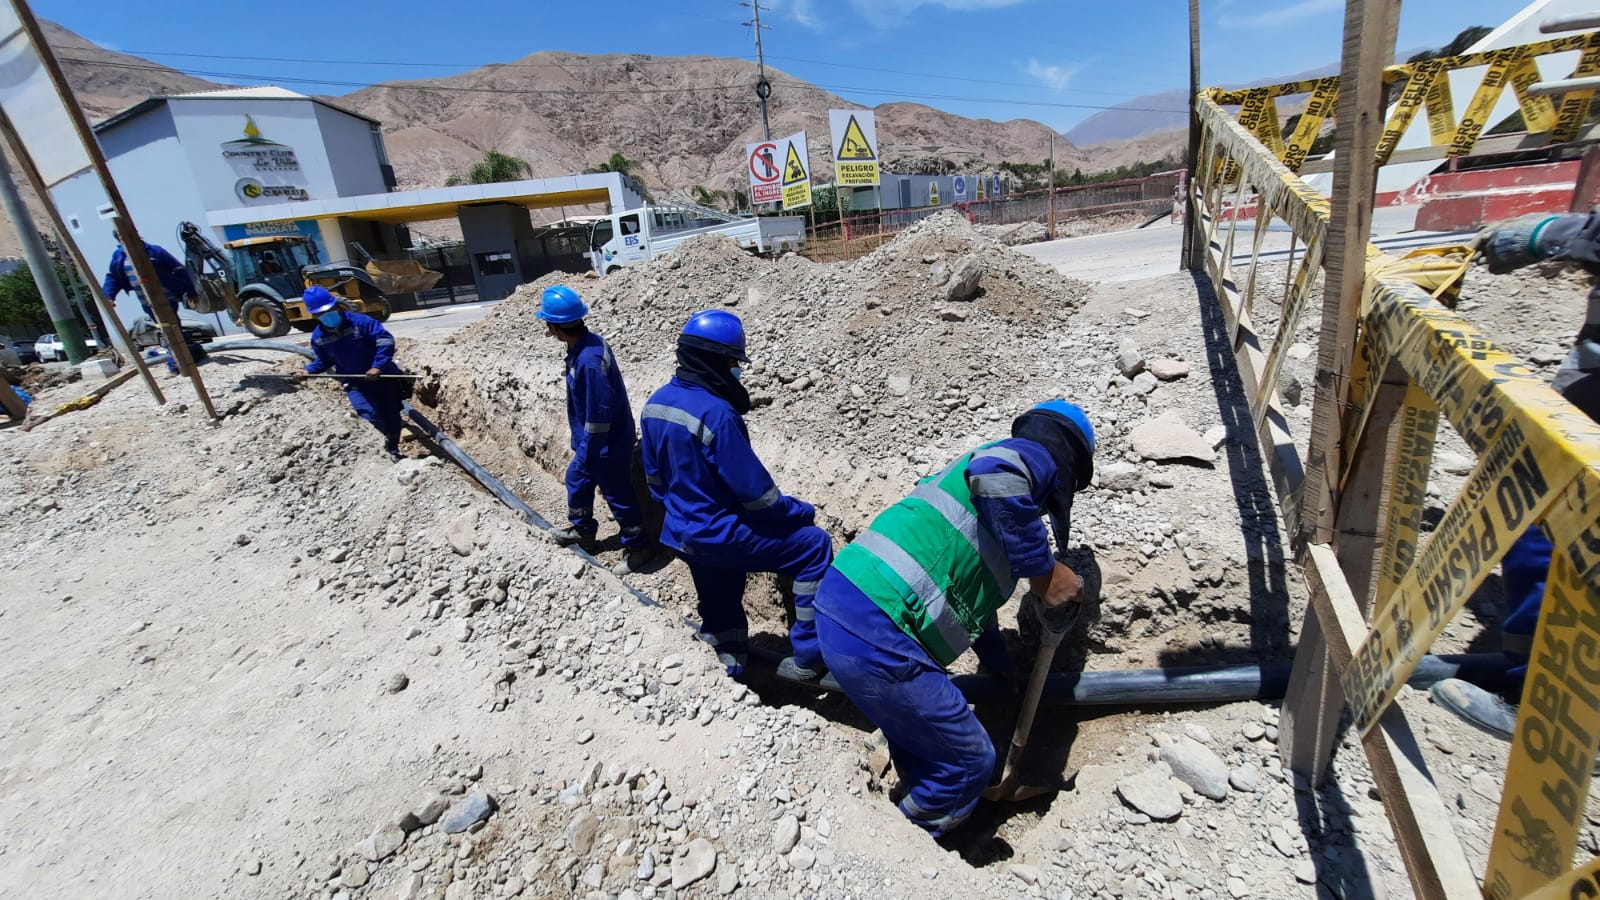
(268, 172)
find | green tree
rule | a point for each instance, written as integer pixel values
(708, 196)
(627, 169)
(21, 305)
(495, 167)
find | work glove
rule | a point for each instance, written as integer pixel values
(1513, 243)
(1057, 620)
(297, 377)
(372, 374)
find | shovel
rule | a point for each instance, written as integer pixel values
(1010, 789)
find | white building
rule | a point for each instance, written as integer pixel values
(265, 160)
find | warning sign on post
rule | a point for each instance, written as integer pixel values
(796, 177)
(766, 168)
(855, 146)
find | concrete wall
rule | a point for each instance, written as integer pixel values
(145, 145)
(491, 230)
(355, 153)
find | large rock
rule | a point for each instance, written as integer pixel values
(1166, 439)
(382, 843)
(700, 861)
(1119, 476)
(582, 831)
(960, 281)
(1195, 765)
(785, 834)
(1169, 369)
(462, 532)
(1130, 362)
(1151, 792)
(467, 812)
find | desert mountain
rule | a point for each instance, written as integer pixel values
(685, 119)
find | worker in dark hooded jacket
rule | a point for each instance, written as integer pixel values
(924, 582)
(175, 281)
(351, 343)
(601, 424)
(724, 515)
(1505, 246)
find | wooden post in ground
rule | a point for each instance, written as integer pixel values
(131, 241)
(1193, 248)
(1355, 178)
(107, 309)
(1312, 708)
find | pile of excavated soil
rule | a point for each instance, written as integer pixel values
(867, 376)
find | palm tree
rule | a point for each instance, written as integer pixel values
(496, 166)
(625, 167)
(707, 196)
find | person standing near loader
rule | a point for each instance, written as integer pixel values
(601, 422)
(924, 582)
(1506, 246)
(724, 515)
(175, 281)
(351, 343)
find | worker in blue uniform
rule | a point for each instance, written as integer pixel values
(351, 343)
(175, 281)
(923, 583)
(601, 422)
(1505, 246)
(723, 514)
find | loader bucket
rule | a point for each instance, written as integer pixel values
(401, 276)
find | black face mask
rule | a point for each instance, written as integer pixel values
(712, 370)
(1074, 464)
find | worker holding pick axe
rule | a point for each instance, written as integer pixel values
(924, 582)
(353, 344)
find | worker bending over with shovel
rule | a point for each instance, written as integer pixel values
(724, 515)
(601, 422)
(924, 582)
(353, 344)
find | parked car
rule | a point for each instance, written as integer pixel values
(147, 333)
(17, 353)
(51, 348)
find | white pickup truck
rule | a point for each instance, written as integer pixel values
(635, 235)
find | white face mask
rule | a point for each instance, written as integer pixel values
(737, 372)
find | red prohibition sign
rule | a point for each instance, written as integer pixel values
(762, 165)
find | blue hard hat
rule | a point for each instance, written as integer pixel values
(319, 299)
(716, 330)
(1074, 414)
(560, 305)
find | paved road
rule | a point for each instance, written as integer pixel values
(1154, 251)
(434, 324)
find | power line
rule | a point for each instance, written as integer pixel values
(345, 63)
(961, 78)
(462, 89)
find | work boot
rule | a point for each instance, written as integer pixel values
(635, 559)
(1481, 709)
(819, 677)
(571, 534)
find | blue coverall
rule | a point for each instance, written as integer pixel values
(358, 344)
(602, 440)
(725, 518)
(942, 753)
(175, 281)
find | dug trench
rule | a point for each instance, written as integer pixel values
(867, 376)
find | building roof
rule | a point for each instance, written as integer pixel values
(263, 92)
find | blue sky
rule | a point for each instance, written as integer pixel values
(1051, 60)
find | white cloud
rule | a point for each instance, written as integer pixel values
(888, 13)
(800, 12)
(1283, 15)
(1056, 78)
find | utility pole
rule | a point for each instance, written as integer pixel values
(41, 266)
(1050, 216)
(763, 86)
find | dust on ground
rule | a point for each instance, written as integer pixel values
(256, 659)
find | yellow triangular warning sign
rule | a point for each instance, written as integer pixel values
(854, 146)
(794, 169)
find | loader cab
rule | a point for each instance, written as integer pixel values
(276, 262)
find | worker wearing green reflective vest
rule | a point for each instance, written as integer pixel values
(924, 582)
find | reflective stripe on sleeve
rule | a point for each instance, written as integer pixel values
(765, 500)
